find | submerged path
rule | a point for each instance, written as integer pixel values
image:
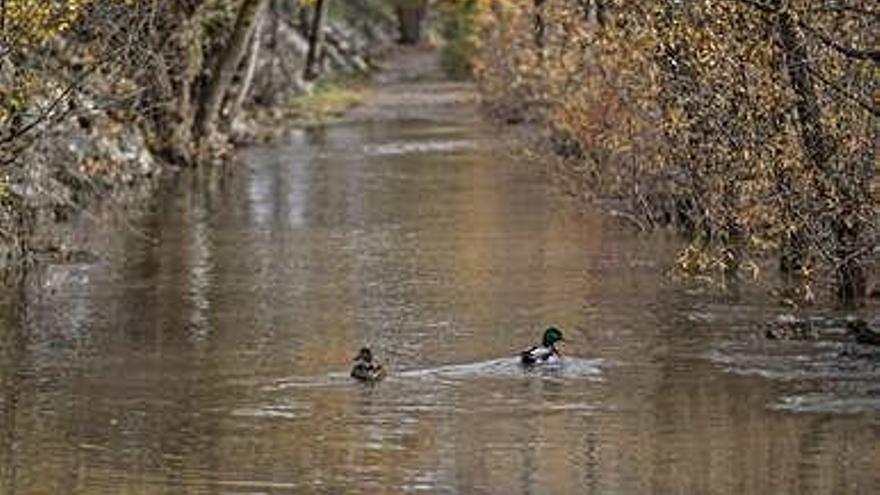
(412, 86)
(207, 352)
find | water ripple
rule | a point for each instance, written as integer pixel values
(569, 368)
(430, 146)
(835, 377)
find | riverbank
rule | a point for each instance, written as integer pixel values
(726, 133)
(100, 161)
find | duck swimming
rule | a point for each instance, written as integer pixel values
(546, 352)
(365, 369)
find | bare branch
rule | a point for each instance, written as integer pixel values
(874, 110)
(871, 55)
(45, 113)
(846, 8)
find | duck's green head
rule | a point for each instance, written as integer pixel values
(551, 336)
(364, 355)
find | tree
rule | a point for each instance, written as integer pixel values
(751, 127)
(227, 64)
(410, 20)
(316, 39)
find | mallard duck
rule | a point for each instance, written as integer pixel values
(365, 369)
(546, 352)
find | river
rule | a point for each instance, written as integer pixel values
(207, 350)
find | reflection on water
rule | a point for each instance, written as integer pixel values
(215, 360)
(826, 376)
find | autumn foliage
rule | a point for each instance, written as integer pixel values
(750, 126)
(94, 93)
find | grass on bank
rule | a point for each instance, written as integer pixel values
(329, 100)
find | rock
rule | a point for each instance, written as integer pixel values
(292, 41)
(863, 333)
(336, 59)
(359, 63)
(846, 329)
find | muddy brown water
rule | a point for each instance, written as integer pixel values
(207, 352)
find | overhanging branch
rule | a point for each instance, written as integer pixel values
(851, 52)
(874, 110)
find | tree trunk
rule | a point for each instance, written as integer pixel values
(249, 71)
(601, 12)
(797, 64)
(539, 27)
(410, 17)
(316, 40)
(3, 23)
(227, 65)
(850, 273)
(850, 278)
(733, 231)
(593, 10)
(175, 63)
